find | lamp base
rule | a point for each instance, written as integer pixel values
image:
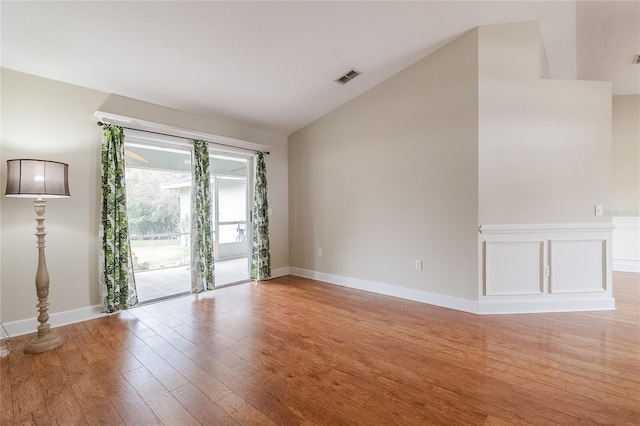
(43, 343)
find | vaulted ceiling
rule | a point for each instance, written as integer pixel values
(272, 65)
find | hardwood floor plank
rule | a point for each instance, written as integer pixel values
(156, 365)
(89, 391)
(68, 342)
(263, 401)
(219, 352)
(198, 377)
(134, 325)
(130, 406)
(62, 404)
(92, 350)
(201, 407)
(213, 366)
(159, 399)
(29, 406)
(6, 398)
(303, 400)
(243, 412)
(293, 351)
(494, 421)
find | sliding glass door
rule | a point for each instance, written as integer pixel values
(158, 181)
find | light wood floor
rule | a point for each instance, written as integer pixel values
(299, 352)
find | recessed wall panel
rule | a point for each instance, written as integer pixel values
(577, 266)
(513, 267)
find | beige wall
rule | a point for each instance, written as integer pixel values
(51, 120)
(626, 156)
(391, 177)
(544, 145)
(470, 135)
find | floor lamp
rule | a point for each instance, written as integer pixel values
(40, 179)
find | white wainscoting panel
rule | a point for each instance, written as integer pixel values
(545, 268)
(626, 244)
(577, 266)
(513, 267)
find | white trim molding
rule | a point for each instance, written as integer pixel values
(279, 272)
(545, 228)
(150, 126)
(626, 244)
(56, 319)
(442, 300)
(527, 268)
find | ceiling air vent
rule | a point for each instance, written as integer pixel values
(347, 77)
(636, 59)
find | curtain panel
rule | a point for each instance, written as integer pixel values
(117, 284)
(202, 267)
(260, 255)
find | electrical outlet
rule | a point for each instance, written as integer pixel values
(418, 265)
(319, 252)
(547, 271)
(598, 210)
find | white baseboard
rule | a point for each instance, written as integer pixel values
(626, 265)
(508, 304)
(442, 300)
(511, 305)
(57, 319)
(279, 272)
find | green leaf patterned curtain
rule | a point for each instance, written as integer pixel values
(260, 255)
(202, 268)
(117, 284)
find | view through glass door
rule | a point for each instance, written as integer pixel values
(158, 181)
(230, 217)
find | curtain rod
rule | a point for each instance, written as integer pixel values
(100, 123)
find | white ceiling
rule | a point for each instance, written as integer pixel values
(271, 65)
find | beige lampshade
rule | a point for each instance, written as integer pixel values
(40, 178)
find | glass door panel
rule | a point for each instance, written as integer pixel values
(230, 214)
(158, 182)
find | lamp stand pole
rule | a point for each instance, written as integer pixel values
(46, 340)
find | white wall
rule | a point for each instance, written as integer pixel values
(626, 156)
(391, 177)
(544, 163)
(625, 209)
(46, 119)
(544, 145)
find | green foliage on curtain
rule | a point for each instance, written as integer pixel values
(202, 268)
(260, 255)
(117, 285)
